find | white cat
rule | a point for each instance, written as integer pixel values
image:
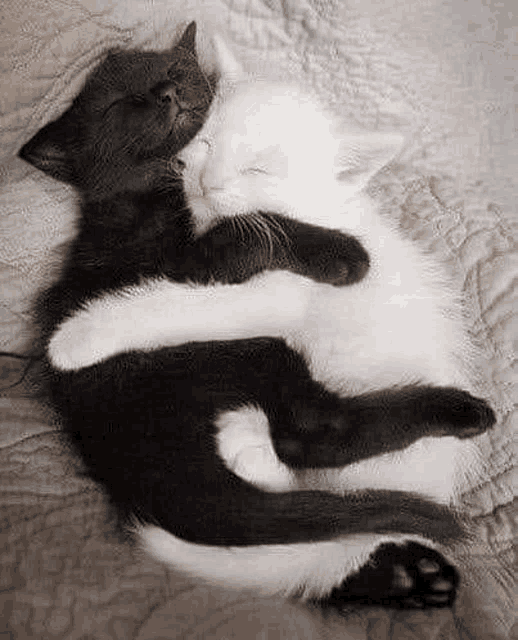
(274, 147)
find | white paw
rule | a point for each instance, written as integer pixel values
(245, 445)
(78, 343)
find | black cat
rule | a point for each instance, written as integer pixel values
(144, 423)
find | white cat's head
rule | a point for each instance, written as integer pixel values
(273, 147)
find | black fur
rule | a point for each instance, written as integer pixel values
(136, 236)
(408, 576)
(135, 112)
(143, 423)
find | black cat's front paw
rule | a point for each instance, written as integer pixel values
(341, 271)
(462, 415)
(335, 259)
(409, 576)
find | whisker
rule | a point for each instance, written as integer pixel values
(245, 228)
(270, 236)
(240, 225)
(206, 77)
(247, 225)
(264, 231)
(277, 230)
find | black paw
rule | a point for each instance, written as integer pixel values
(462, 415)
(341, 272)
(317, 437)
(409, 576)
(340, 261)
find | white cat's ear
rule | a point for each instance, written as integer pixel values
(227, 64)
(361, 156)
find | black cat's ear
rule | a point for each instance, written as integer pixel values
(49, 149)
(188, 40)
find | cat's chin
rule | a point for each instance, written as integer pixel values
(208, 212)
(203, 217)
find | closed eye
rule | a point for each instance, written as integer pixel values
(136, 100)
(254, 171)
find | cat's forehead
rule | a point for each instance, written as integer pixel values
(122, 70)
(263, 115)
(127, 72)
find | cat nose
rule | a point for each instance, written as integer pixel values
(211, 183)
(197, 152)
(164, 92)
(177, 165)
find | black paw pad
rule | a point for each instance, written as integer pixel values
(410, 576)
(422, 585)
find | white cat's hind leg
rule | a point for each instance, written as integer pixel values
(161, 313)
(309, 570)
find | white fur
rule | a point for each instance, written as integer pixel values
(274, 148)
(400, 324)
(306, 570)
(427, 467)
(247, 450)
(146, 316)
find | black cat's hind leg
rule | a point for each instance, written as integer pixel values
(409, 576)
(323, 430)
(455, 412)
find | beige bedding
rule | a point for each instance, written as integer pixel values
(442, 72)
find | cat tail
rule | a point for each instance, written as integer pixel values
(300, 544)
(146, 431)
(154, 414)
(228, 511)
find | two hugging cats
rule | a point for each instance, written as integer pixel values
(268, 380)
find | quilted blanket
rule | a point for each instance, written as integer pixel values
(441, 71)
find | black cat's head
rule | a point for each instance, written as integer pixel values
(136, 111)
